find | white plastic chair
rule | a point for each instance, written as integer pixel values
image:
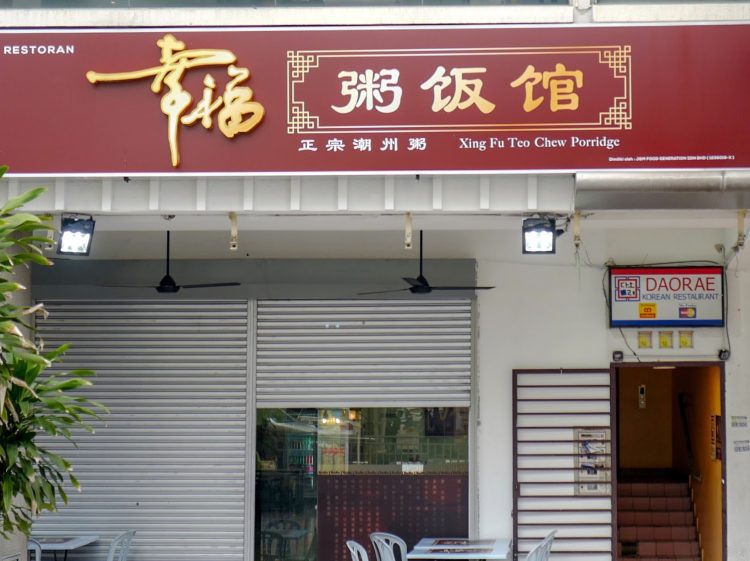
(385, 546)
(359, 553)
(35, 547)
(118, 549)
(540, 552)
(271, 545)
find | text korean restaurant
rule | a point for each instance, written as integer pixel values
(296, 381)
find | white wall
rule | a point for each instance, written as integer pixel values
(738, 403)
(549, 312)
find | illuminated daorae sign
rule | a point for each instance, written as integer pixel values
(666, 296)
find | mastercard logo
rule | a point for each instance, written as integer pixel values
(688, 312)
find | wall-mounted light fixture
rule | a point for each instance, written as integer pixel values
(539, 235)
(76, 234)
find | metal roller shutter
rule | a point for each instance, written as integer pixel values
(169, 461)
(363, 353)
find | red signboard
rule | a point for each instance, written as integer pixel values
(374, 100)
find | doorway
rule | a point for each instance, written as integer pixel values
(670, 497)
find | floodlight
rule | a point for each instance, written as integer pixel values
(539, 235)
(76, 233)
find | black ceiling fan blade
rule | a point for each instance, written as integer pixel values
(128, 285)
(462, 287)
(210, 284)
(382, 291)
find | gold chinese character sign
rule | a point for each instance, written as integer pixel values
(461, 90)
(237, 111)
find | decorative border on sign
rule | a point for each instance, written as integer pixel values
(621, 113)
(617, 117)
(298, 66)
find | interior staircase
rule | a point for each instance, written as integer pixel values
(655, 521)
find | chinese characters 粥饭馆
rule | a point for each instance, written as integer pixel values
(458, 88)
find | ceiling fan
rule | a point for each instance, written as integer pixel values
(420, 285)
(167, 284)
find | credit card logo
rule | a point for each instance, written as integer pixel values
(688, 312)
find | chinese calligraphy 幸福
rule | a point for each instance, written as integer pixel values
(237, 111)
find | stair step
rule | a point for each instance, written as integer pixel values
(668, 549)
(654, 518)
(656, 533)
(661, 489)
(653, 503)
(629, 551)
(691, 558)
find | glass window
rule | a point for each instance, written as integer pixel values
(325, 476)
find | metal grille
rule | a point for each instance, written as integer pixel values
(364, 353)
(563, 463)
(169, 460)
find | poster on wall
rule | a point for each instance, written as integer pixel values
(666, 296)
(396, 100)
(593, 465)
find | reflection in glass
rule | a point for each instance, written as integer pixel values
(317, 469)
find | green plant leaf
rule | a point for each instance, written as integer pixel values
(70, 384)
(20, 222)
(11, 286)
(33, 358)
(21, 199)
(11, 451)
(7, 494)
(58, 461)
(32, 257)
(11, 409)
(32, 401)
